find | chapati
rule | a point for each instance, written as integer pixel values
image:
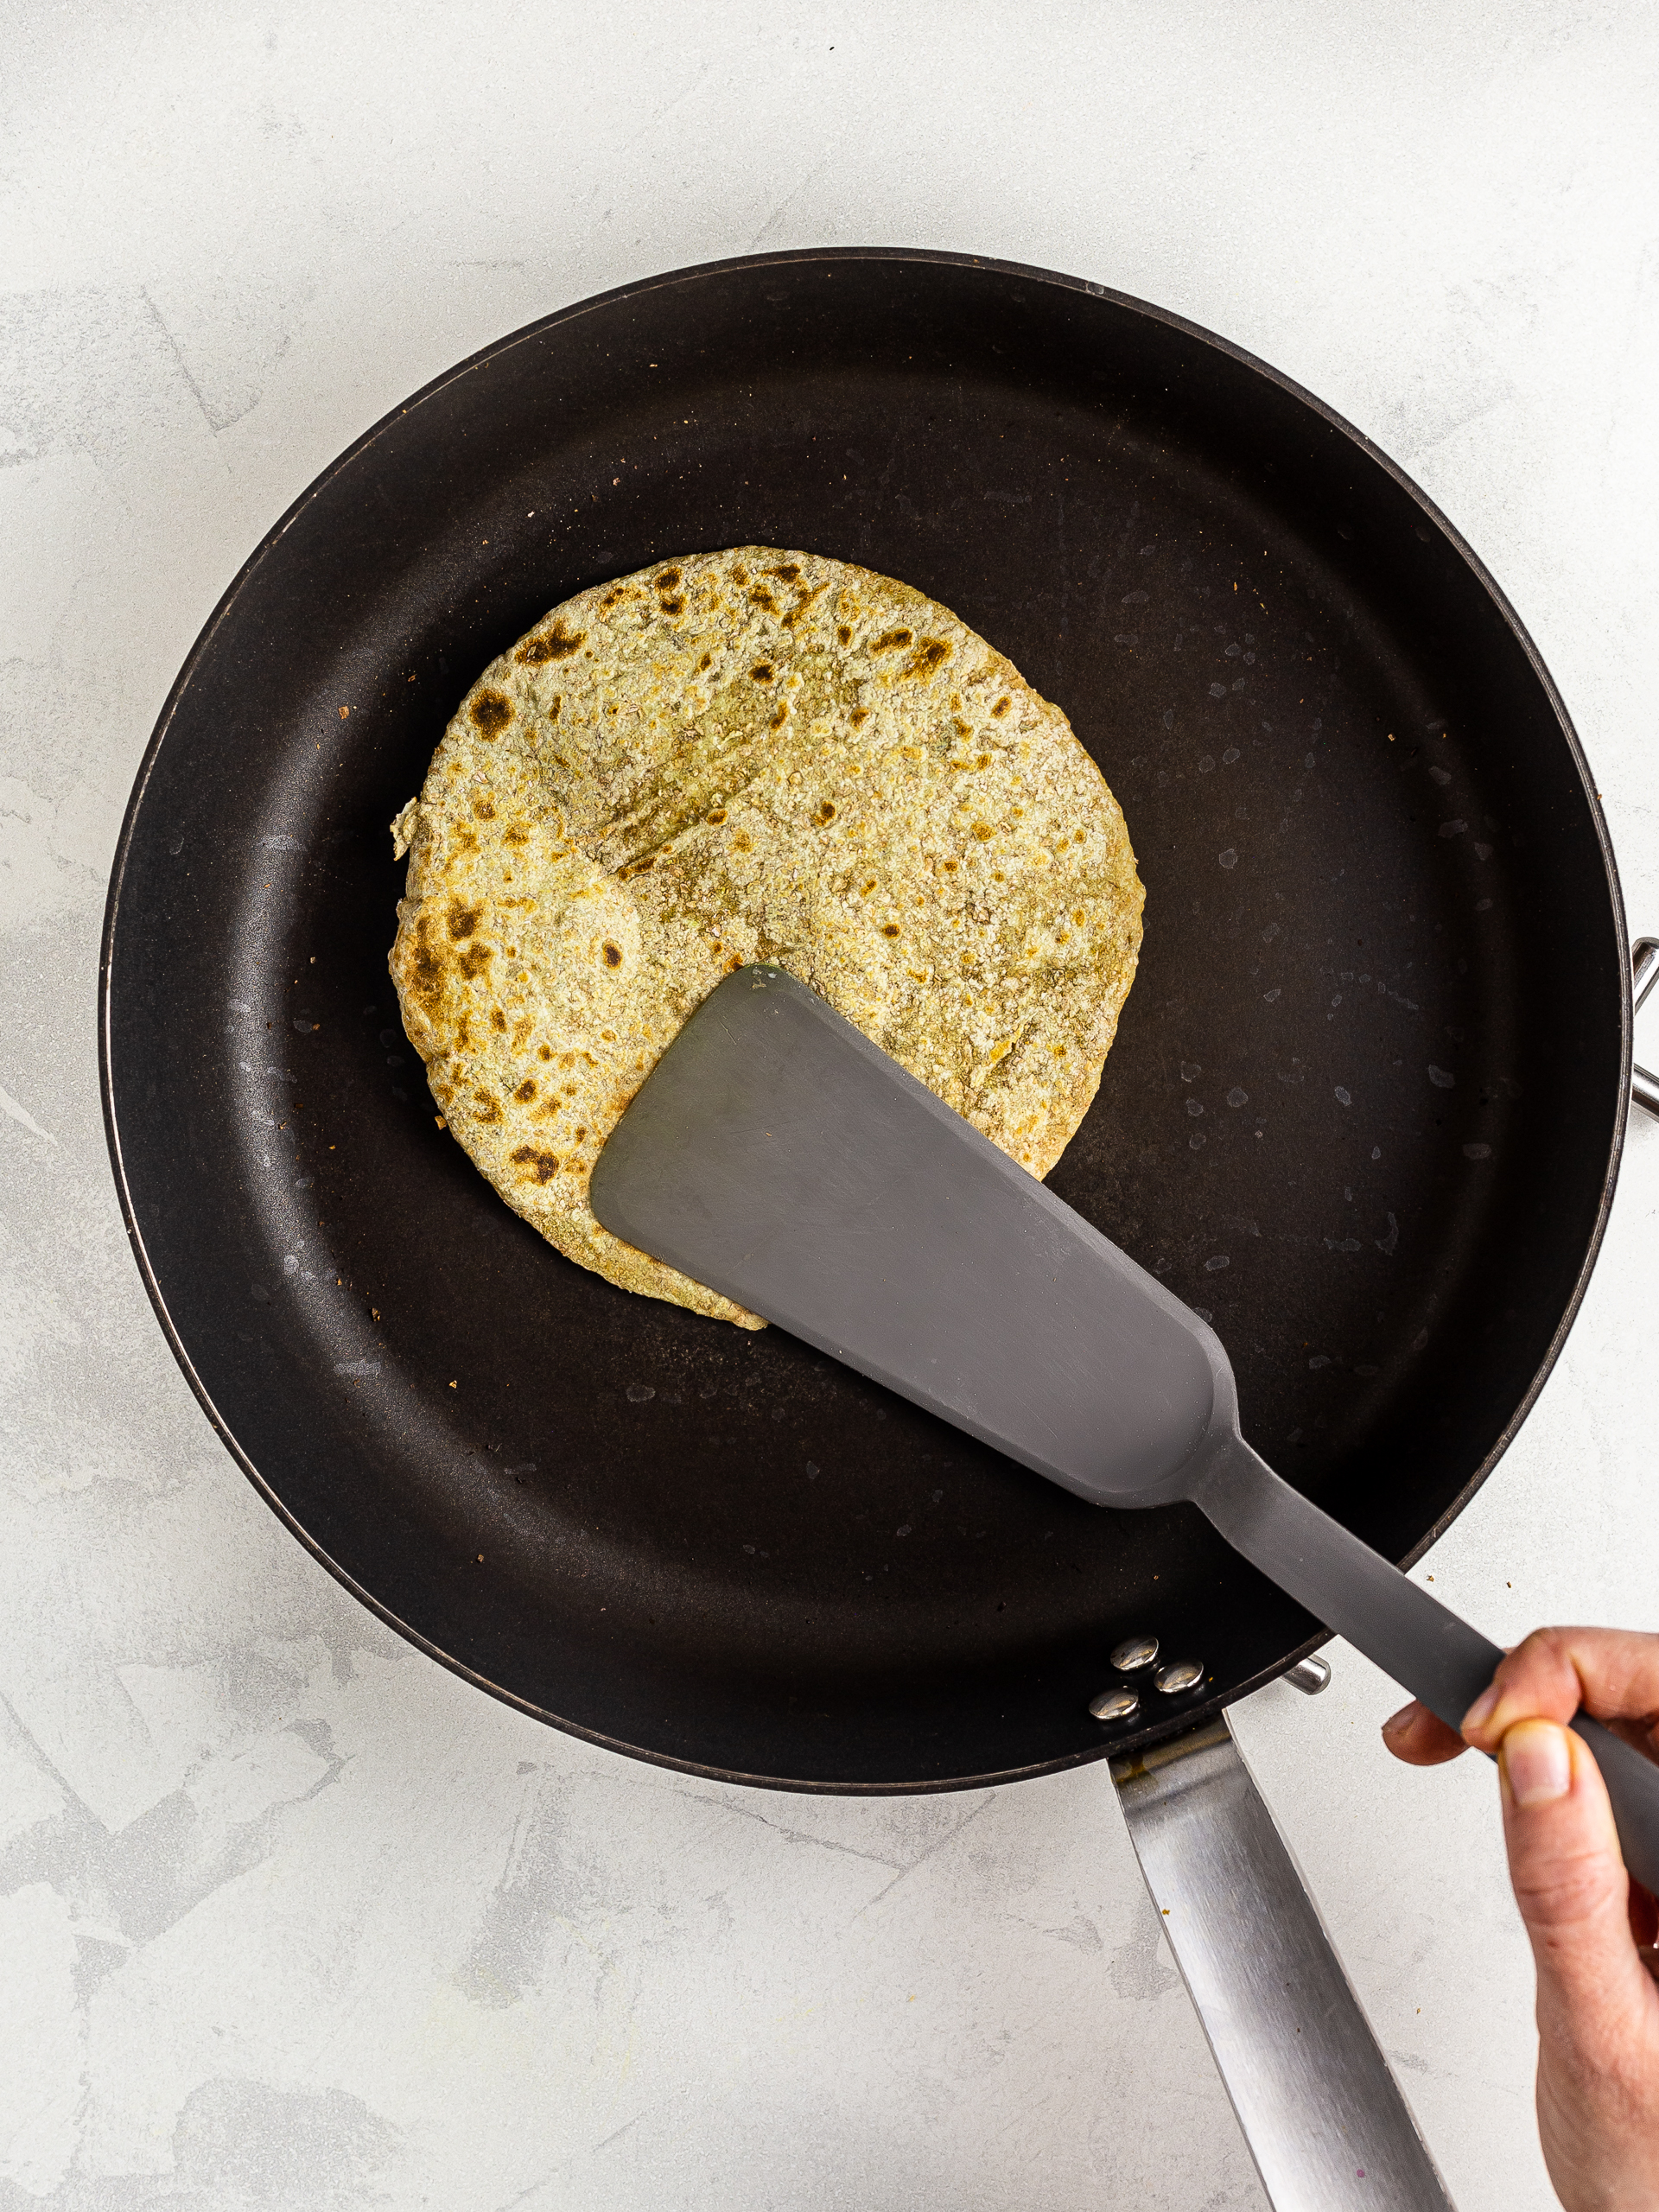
(741, 756)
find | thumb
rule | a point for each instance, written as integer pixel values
(1569, 1879)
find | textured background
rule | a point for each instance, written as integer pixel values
(289, 1919)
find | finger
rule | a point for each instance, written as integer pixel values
(1415, 1735)
(1569, 1880)
(1612, 1673)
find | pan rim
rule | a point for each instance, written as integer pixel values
(1199, 1713)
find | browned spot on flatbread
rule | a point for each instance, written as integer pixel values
(555, 643)
(491, 711)
(426, 970)
(928, 656)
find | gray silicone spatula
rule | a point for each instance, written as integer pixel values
(776, 1154)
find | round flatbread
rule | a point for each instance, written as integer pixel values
(741, 756)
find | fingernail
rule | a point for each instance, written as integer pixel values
(1482, 1709)
(1536, 1763)
(1397, 1721)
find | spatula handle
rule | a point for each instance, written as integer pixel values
(1398, 1626)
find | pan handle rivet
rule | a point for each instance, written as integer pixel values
(1310, 1676)
(1179, 1675)
(1134, 1652)
(1114, 1705)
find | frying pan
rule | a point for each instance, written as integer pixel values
(1365, 1110)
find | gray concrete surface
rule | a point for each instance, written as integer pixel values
(291, 1920)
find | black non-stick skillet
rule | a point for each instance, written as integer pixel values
(1365, 1110)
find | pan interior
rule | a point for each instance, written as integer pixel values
(1329, 1121)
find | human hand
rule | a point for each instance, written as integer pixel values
(1592, 1927)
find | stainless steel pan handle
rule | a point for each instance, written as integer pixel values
(1322, 2113)
(1645, 974)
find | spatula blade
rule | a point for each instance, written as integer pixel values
(777, 1155)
